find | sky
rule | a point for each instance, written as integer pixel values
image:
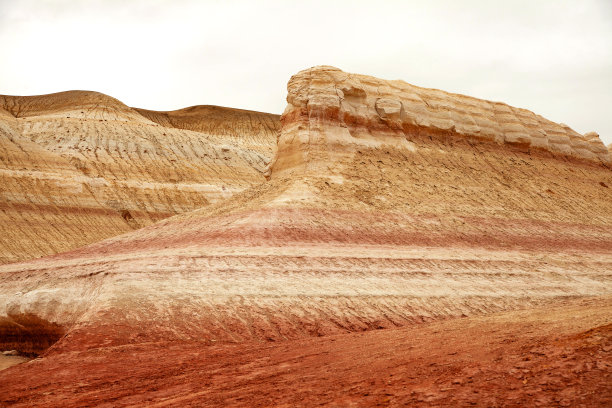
(553, 57)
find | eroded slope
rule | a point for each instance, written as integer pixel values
(253, 130)
(81, 166)
(364, 224)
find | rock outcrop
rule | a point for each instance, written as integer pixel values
(346, 110)
(77, 167)
(368, 221)
(386, 206)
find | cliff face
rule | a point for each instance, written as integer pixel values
(78, 167)
(331, 112)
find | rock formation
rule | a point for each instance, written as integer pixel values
(386, 205)
(403, 224)
(78, 167)
(346, 110)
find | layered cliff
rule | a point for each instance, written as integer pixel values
(343, 111)
(78, 167)
(375, 215)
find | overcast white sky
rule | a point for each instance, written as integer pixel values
(553, 57)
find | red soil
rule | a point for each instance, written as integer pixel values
(552, 356)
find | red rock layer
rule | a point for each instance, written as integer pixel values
(554, 356)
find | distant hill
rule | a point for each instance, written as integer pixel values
(80, 166)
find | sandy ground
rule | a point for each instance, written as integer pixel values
(9, 361)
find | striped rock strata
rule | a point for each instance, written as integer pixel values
(77, 167)
(367, 221)
(358, 106)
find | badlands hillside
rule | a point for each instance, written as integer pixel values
(78, 167)
(478, 235)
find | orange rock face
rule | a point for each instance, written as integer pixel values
(78, 167)
(386, 206)
(329, 109)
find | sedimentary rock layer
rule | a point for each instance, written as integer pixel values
(553, 356)
(77, 167)
(331, 112)
(251, 130)
(363, 224)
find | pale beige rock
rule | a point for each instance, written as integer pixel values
(372, 102)
(77, 167)
(367, 221)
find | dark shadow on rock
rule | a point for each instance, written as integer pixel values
(28, 334)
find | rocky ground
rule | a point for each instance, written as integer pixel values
(559, 355)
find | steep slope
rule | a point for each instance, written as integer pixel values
(368, 221)
(47, 205)
(82, 166)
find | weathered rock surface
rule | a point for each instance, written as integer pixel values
(251, 130)
(362, 225)
(553, 356)
(376, 215)
(348, 110)
(77, 167)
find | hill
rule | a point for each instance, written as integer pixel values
(79, 166)
(386, 206)
(249, 129)
(363, 224)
